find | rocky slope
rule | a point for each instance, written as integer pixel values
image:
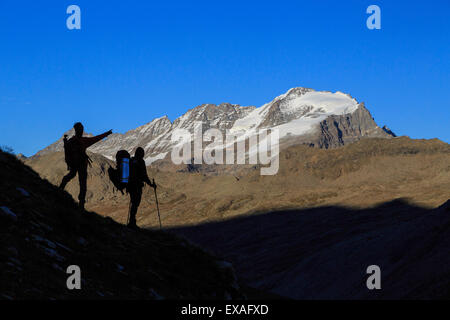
(42, 233)
(302, 116)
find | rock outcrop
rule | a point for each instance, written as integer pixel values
(339, 130)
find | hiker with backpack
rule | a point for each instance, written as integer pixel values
(130, 174)
(77, 160)
(138, 176)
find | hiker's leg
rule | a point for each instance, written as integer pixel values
(133, 208)
(82, 177)
(67, 178)
(135, 198)
(133, 212)
(138, 196)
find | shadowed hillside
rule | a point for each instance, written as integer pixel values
(323, 253)
(42, 232)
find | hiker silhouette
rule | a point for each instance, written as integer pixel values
(77, 160)
(138, 175)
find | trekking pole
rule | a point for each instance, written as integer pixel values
(129, 211)
(157, 205)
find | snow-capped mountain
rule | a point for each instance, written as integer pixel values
(318, 118)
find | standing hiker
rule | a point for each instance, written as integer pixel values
(77, 160)
(138, 176)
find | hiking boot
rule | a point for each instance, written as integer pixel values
(132, 226)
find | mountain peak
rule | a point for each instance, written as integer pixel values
(299, 91)
(164, 120)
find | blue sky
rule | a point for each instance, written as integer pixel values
(133, 61)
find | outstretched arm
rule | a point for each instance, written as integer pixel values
(89, 141)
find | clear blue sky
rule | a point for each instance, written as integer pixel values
(133, 61)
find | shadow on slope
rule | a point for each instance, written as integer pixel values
(42, 232)
(323, 253)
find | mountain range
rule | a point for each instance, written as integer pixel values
(303, 116)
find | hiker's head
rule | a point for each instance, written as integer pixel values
(78, 129)
(139, 154)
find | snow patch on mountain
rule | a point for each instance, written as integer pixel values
(308, 109)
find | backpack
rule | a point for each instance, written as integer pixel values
(73, 153)
(121, 174)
